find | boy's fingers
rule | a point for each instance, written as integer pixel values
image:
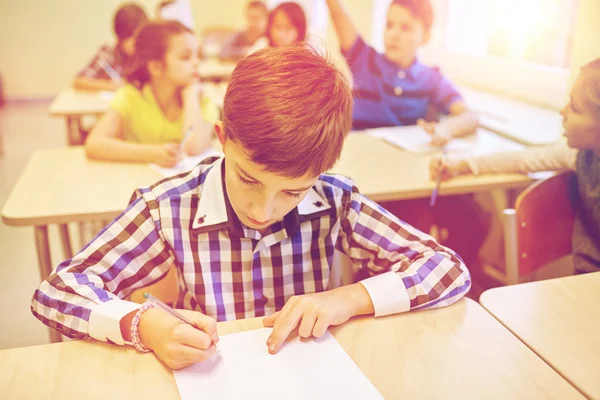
(205, 323)
(284, 325)
(194, 337)
(270, 320)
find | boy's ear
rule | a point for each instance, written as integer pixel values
(219, 128)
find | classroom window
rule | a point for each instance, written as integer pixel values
(533, 31)
(520, 48)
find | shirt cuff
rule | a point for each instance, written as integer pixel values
(105, 320)
(388, 294)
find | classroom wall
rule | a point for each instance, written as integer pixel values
(586, 41)
(44, 43)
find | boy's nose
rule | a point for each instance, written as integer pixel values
(262, 211)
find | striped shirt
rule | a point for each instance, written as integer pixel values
(229, 271)
(387, 95)
(106, 57)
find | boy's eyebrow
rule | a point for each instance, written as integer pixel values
(241, 170)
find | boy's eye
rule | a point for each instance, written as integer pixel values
(246, 181)
(292, 194)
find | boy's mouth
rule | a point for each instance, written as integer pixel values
(257, 223)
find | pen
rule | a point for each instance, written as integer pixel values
(436, 190)
(159, 304)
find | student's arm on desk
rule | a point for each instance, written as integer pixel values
(84, 296)
(342, 22)
(106, 143)
(407, 270)
(461, 122)
(85, 83)
(556, 157)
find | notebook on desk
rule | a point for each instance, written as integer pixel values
(413, 138)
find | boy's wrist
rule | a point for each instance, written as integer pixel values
(358, 299)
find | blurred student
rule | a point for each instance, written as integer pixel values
(286, 26)
(105, 71)
(581, 153)
(159, 114)
(395, 88)
(239, 45)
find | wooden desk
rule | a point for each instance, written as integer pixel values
(61, 186)
(73, 104)
(559, 319)
(458, 352)
(520, 121)
(384, 172)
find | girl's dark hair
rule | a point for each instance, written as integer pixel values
(127, 19)
(151, 44)
(296, 15)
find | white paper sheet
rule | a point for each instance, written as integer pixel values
(186, 164)
(413, 138)
(242, 368)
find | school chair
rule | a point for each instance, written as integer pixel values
(539, 229)
(166, 289)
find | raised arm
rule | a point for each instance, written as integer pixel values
(344, 27)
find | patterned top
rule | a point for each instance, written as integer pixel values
(586, 234)
(387, 95)
(106, 57)
(229, 271)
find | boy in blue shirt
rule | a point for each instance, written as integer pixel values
(395, 88)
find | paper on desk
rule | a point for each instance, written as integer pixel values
(413, 138)
(106, 95)
(304, 369)
(186, 164)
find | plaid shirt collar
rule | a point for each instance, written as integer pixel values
(214, 210)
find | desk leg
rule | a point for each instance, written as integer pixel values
(73, 130)
(66, 241)
(42, 245)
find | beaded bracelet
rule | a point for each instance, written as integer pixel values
(135, 334)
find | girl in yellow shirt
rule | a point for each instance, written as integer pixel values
(149, 116)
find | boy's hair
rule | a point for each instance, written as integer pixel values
(290, 110)
(127, 19)
(591, 72)
(151, 44)
(420, 9)
(257, 4)
(296, 15)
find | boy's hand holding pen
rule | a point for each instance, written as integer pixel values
(179, 338)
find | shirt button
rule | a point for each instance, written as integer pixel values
(401, 74)
(398, 91)
(263, 300)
